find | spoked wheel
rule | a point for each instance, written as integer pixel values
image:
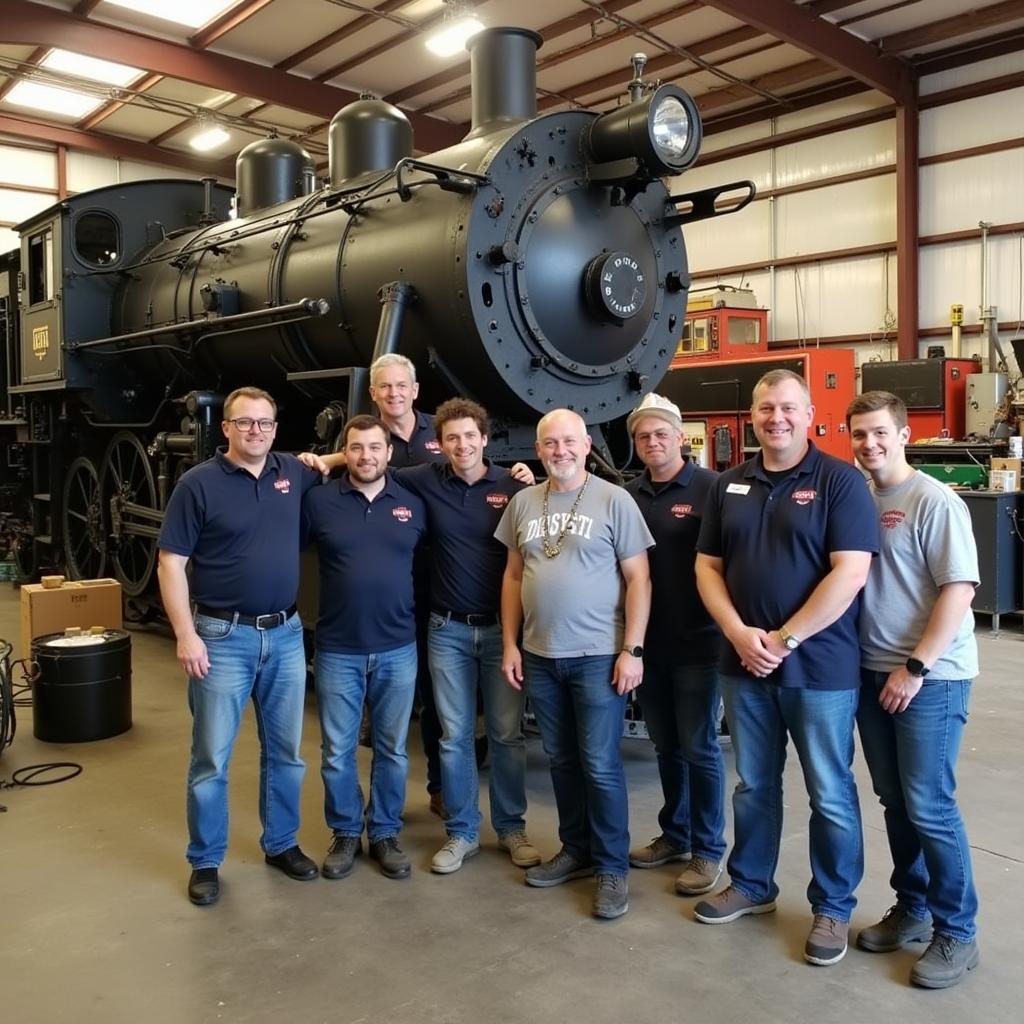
(85, 548)
(128, 492)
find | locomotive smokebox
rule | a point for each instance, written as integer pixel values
(272, 171)
(503, 78)
(368, 135)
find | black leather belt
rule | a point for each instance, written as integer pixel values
(269, 621)
(469, 618)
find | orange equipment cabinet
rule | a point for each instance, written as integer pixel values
(718, 395)
(722, 332)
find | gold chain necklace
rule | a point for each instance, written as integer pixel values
(554, 550)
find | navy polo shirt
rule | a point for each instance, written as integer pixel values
(466, 561)
(422, 446)
(775, 541)
(241, 533)
(680, 627)
(366, 552)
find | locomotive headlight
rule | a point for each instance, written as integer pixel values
(662, 131)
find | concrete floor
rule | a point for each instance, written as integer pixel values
(95, 924)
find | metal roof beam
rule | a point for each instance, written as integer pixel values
(819, 38)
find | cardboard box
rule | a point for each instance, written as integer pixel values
(82, 603)
(1008, 466)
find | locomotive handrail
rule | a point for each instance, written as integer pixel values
(703, 203)
(309, 307)
(448, 180)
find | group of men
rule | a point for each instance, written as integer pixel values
(806, 598)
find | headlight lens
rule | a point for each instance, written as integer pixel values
(671, 128)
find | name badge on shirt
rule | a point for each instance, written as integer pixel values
(738, 489)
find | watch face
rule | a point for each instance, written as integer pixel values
(792, 643)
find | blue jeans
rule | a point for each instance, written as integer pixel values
(268, 667)
(680, 706)
(387, 683)
(462, 659)
(580, 719)
(912, 760)
(821, 724)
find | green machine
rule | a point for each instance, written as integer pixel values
(964, 474)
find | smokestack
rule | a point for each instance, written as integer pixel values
(503, 78)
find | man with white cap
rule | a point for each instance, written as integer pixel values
(680, 696)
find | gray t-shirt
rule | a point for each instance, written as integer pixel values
(573, 604)
(926, 542)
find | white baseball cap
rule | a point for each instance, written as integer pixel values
(656, 405)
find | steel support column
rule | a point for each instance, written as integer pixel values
(907, 196)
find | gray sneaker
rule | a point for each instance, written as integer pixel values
(894, 931)
(392, 859)
(660, 850)
(701, 875)
(945, 962)
(728, 905)
(450, 857)
(611, 896)
(827, 942)
(341, 857)
(561, 868)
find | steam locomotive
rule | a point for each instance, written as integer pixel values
(538, 263)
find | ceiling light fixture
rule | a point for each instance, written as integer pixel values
(209, 139)
(37, 96)
(458, 26)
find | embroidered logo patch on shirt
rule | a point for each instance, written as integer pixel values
(401, 513)
(496, 499)
(284, 486)
(434, 447)
(681, 511)
(805, 497)
(892, 518)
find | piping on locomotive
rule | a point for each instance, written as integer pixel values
(538, 263)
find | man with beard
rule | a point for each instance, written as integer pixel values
(235, 517)
(366, 528)
(577, 582)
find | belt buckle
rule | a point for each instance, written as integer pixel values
(269, 621)
(476, 619)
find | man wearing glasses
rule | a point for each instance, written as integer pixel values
(236, 518)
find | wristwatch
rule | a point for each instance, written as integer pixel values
(791, 642)
(637, 651)
(916, 667)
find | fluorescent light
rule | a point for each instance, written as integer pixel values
(452, 36)
(89, 67)
(192, 13)
(51, 99)
(210, 139)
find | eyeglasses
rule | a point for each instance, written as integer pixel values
(245, 424)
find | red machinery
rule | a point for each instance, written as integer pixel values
(715, 398)
(934, 390)
(722, 324)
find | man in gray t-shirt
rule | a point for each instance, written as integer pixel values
(577, 582)
(918, 657)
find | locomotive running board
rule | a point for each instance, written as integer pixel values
(704, 204)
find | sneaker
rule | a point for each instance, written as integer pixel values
(450, 857)
(701, 875)
(827, 942)
(393, 861)
(523, 853)
(437, 806)
(894, 931)
(611, 896)
(728, 905)
(341, 857)
(561, 868)
(945, 962)
(660, 850)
